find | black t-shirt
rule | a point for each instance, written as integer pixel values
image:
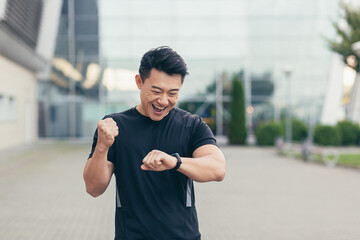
(155, 205)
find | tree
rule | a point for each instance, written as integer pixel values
(237, 128)
(347, 35)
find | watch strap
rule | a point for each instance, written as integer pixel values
(179, 162)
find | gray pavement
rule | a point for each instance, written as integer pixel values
(264, 196)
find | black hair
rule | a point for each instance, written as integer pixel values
(163, 59)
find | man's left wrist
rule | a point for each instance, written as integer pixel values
(178, 161)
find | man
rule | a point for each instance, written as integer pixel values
(155, 151)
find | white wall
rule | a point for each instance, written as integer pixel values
(19, 83)
(2, 8)
(47, 34)
(49, 28)
(332, 110)
(354, 105)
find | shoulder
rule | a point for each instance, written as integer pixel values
(121, 115)
(185, 117)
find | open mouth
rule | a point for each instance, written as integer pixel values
(158, 109)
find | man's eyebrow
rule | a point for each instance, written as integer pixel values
(159, 88)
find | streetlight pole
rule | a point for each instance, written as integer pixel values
(288, 127)
(249, 108)
(71, 55)
(219, 105)
(276, 101)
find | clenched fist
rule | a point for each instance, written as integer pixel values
(107, 131)
(158, 161)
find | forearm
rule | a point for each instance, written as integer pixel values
(97, 173)
(204, 169)
(207, 164)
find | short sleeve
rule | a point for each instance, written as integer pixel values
(111, 152)
(201, 134)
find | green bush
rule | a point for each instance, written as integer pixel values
(237, 128)
(267, 132)
(299, 130)
(349, 133)
(327, 135)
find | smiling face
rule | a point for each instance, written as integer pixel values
(158, 93)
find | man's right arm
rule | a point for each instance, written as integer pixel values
(98, 170)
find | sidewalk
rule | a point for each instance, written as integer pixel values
(264, 196)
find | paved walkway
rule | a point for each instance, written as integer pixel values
(264, 196)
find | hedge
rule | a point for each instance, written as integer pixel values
(350, 133)
(327, 135)
(267, 132)
(299, 130)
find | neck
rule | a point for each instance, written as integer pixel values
(140, 109)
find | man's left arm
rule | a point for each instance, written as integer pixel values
(207, 164)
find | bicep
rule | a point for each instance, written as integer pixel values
(209, 150)
(109, 166)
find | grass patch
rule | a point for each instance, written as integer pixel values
(350, 159)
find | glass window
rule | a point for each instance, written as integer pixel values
(12, 108)
(2, 107)
(53, 114)
(87, 26)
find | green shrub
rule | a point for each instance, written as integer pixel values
(237, 128)
(327, 135)
(349, 133)
(299, 130)
(267, 132)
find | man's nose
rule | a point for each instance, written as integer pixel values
(163, 100)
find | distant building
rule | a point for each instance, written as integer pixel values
(100, 44)
(27, 34)
(73, 75)
(228, 36)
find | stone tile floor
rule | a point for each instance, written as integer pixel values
(264, 196)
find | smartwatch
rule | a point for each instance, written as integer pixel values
(179, 162)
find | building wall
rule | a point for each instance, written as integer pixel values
(2, 9)
(18, 123)
(228, 36)
(48, 29)
(211, 36)
(26, 55)
(215, 36)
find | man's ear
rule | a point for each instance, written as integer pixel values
(138, 81)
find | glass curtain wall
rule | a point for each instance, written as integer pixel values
(260, 37)
(73, 85)
(105, 40)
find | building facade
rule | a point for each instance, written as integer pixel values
(26, 45)
(257, 36)
(103, 42)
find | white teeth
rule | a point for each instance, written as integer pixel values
(159, 107)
